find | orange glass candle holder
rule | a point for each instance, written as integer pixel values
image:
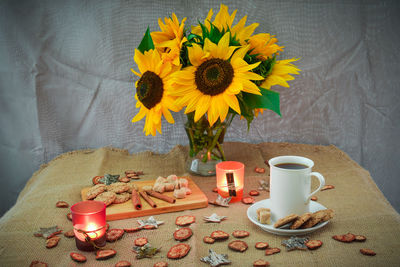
(230, 179)
(89, 220)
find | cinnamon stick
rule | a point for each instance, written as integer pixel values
(161, 196)
(148, 200)
(136, 200)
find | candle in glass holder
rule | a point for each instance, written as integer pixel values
(89, 220)
(230, 179)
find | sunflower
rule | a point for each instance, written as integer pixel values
(169, 41)
(218, 73)
(223, 21)
(280, 74)
(264, 45)
(152, 90)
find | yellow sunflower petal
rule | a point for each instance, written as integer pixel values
(196, 54)
(240, 53)
(222, 109)
(167, 115)
(232, 101)
(202, 106)
(141, 61)
(250, 87)
(142, 112)
(137, 73)
(209, 46)
(213, 113)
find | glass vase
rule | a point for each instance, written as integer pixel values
(205, 144)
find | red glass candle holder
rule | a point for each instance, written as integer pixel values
(230, 179)
(89, 220)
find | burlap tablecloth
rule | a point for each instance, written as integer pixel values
(359, 205)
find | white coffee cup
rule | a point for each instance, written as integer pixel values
(290, 188)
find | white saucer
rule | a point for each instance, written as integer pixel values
(266, 203)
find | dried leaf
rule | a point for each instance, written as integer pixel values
(151, 221)
(214, 218)
(146, 251)
(295, 243)
(215, 259)
(109, 179)
(48, 232)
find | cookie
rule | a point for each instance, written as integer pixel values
(328, 214)
(261, 245)
(104, 254)
(94, 191)
(283, 221)
(367, 251)
(240, 233)
(133, 186)
(314, 198)
(118, 187)
(178, 251)
(317, 217)
(124, 179)
(77, 257)
(185, 220)
(69, 216)
(141, 241)
(106, 197)
(113, 235)
(219, 235)
(313, 244)
(208, 240)
(302, 219)
(260, 263)
(271, 251)
(238, 245)
(183, 234)
(121, 198)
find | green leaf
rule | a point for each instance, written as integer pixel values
(245, 111)
(147, 42)
(268, 100)
(193, 36)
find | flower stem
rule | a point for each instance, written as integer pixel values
(214, 142)
(221, 151)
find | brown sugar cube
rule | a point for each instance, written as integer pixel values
(265, 217)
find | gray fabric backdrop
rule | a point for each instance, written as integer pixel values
(65, 80)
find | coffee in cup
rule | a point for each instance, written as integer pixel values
(290, 185)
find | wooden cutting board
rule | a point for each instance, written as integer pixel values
(126, 210)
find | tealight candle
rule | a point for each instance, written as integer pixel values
(230, 179)
(89, 220)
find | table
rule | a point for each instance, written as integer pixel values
(360, 208)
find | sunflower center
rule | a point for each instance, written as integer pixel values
(213, 76)
(150, 89)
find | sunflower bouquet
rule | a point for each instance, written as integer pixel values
(215, 71)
